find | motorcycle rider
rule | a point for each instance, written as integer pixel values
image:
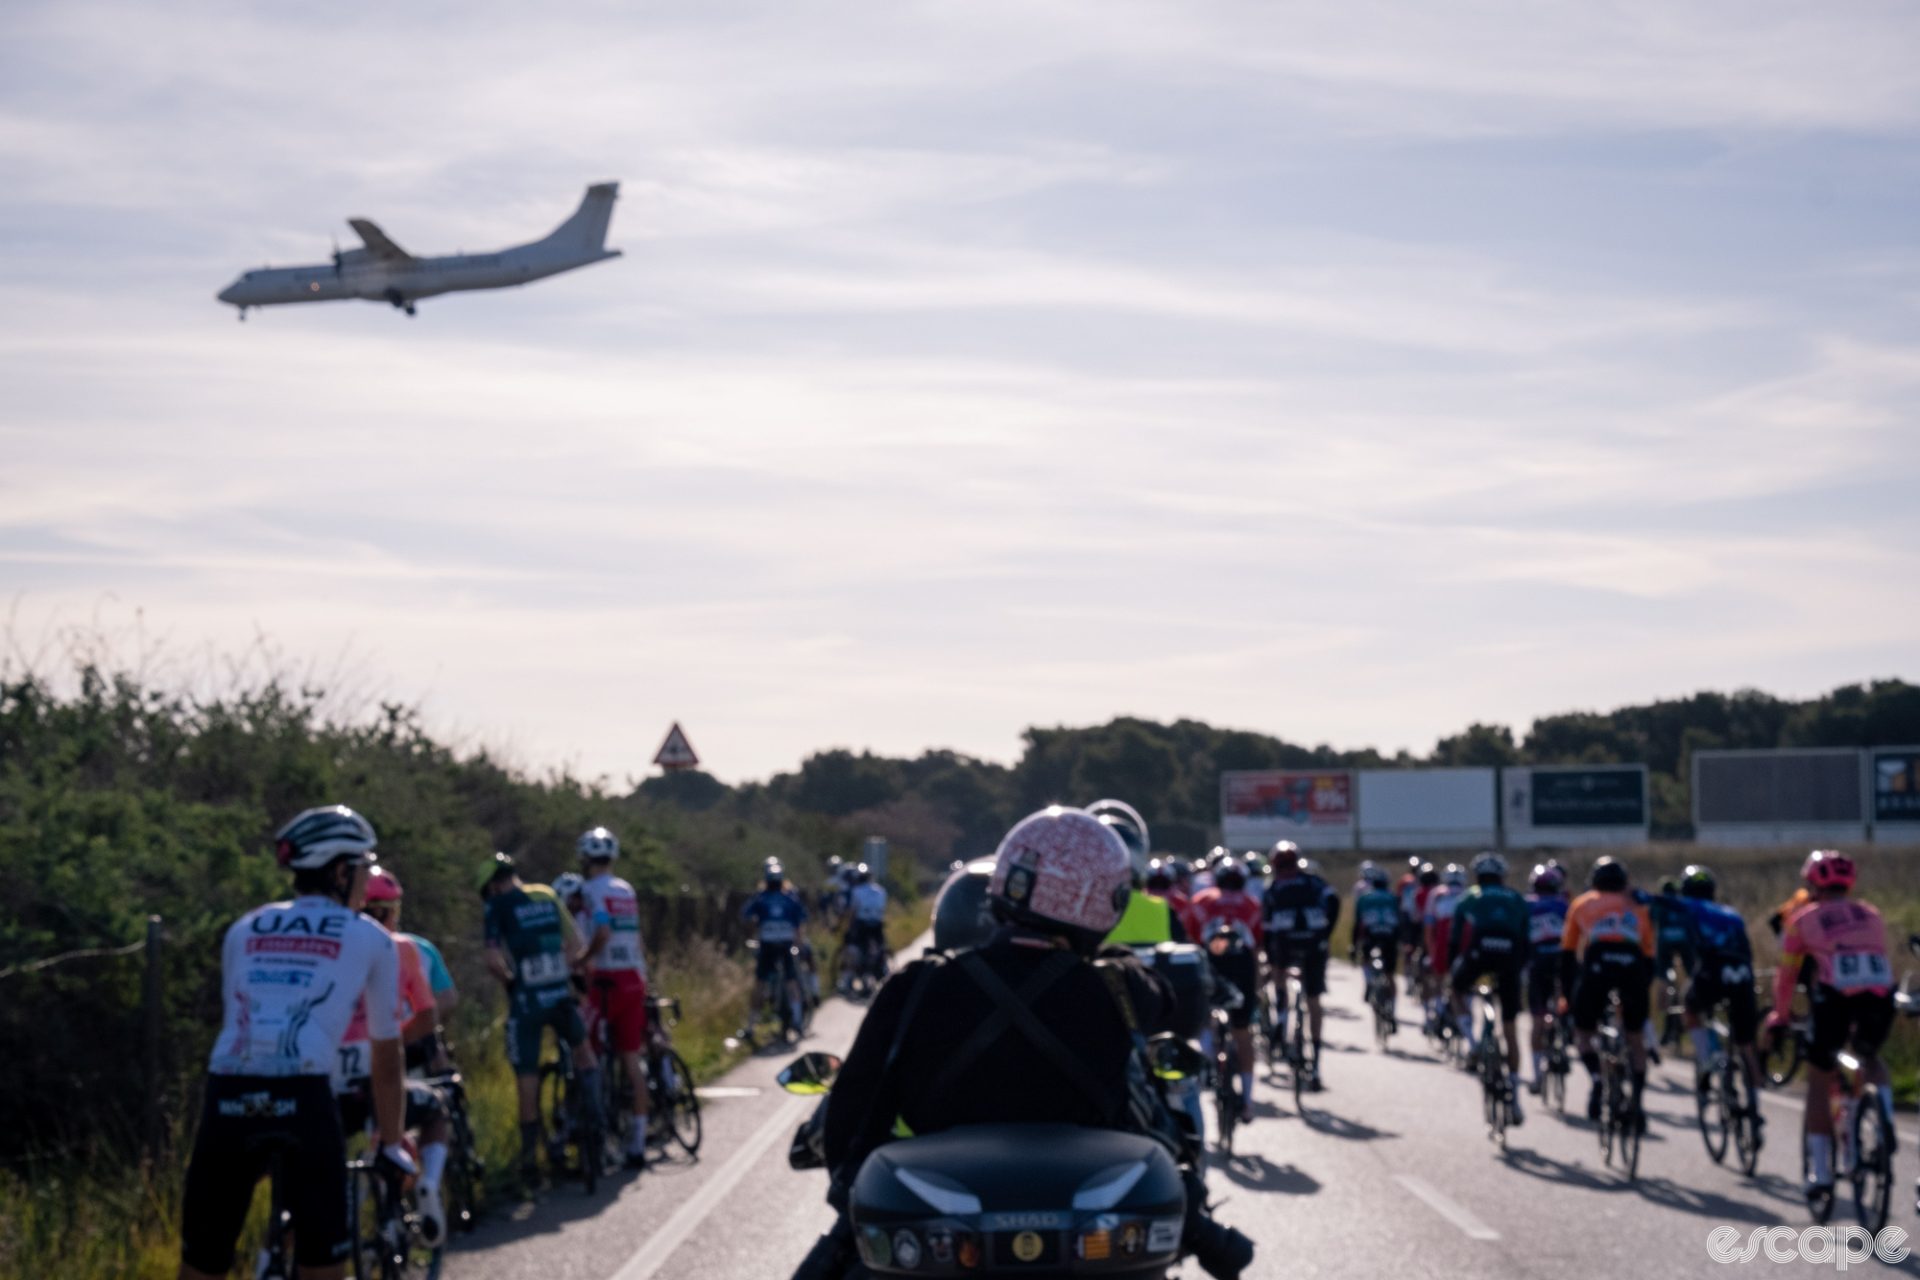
(1023, 1029)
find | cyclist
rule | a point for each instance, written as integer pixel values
(1608, 947)
(1798, 899)
(867, 926)
(1377, 926)
(1151, 916)
(291, 973)
(1413, 903)
(1722, 971)
(779, 923)
(1846, 942)
(616, 963)
(1228, 905)
(426, 1110)
(1442, 901)
(1490, 930)
(1672, 931)
(1300, 910)
(531, 949)
(1547, 921)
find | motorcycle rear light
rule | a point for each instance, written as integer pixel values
(1094, 1246)
(966, 1250)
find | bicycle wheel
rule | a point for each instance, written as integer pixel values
(378, 1252)
(1713, 1110)
(1872, 1163)
(1297, 1058)
(1745, 1105)
(589, 1137)
(1782, 1061)
(1609, 1107)
(466, 1177)
(683, 1104)
(1631, 1127)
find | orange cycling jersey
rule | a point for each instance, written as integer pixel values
(1606, 917)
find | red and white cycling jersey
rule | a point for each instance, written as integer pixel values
(1442, 902)
(1236, 906)
(291, 975)
(1847, 942)
(355, 1059)
(610, 901)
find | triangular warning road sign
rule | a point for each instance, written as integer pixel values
(676, 752)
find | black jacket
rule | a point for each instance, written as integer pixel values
(1012, 1081)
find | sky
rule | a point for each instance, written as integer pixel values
(1345, 372)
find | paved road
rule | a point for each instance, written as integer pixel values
(1388, 1173)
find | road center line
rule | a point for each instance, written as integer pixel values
(1447, 1207)
(653, 1255)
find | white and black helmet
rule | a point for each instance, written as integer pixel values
(568, 883)
(597, 844)
(1489, 866)
(316, 837)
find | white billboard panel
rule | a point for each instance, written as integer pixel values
(1790, 796)
(1574, 806)
(1427, 808)
(1311, 807)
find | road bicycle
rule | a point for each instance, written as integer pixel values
(1559, 1050)
(577, 1119)
(1489, 1062)
(1727, 1104)
(387, 1241)
(862, 969)
(1784, 1053)
(1621, 1122)
(464, 1186)
(670, 1090)
(1226, 1071)
(782, 996)
(1292, 1034)
(276, 1252)
(1863, 1147)
(1380, 999)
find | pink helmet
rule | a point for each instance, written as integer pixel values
(382, 886)
(1828, 869)
(1063, 867)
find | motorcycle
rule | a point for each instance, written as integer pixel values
(1041, 1200)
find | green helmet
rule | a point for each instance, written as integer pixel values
(1697, 882)
(492, 869)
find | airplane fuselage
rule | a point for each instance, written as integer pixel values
(399, 283)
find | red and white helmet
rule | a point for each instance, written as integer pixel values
(1063, 868)
(1828, 869)
(383, 886)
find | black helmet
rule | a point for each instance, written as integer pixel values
(1428, 876)
(1231, 876)
(1609, 875)
(1160, 875)
(1698, 882)
(862, 873)
(962, 916)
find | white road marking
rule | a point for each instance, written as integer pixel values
(728, 1091)
(1447, 1207)
(645, 1263)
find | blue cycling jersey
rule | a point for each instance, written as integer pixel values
(1718, 931)
(776, 913)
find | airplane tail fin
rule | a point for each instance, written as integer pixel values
(586, 230)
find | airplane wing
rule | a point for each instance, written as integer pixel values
(377, 242)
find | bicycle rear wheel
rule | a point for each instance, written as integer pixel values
(1713, 1110)
(1631, 1129)
(1746, 1120)
(1782, 1061)
(1872, 1163)
(683, 1104)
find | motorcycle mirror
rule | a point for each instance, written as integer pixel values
(810, 1073)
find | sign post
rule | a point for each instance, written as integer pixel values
(676, 753)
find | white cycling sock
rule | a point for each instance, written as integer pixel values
(1819, 1159)
(1702, 1050)
(433, 1163)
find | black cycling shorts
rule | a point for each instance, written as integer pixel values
(775, 958)
(1242, 970)
(245, 1121)
(863, 933)
(1505, 968)
(1608, 967)
(1309, 957)
(1543, 982)
(1859, 1022)
(1715, 981)
(1382, 945)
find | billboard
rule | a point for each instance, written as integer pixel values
(1572, 806)
(1786, 796)
(1895, 777)
(1427, 808)
(1314, 808)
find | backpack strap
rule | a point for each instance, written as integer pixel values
(1014, 1011)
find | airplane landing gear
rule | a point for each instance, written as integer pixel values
(243, 315)
(400, 300)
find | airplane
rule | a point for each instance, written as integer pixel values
(384, 272)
